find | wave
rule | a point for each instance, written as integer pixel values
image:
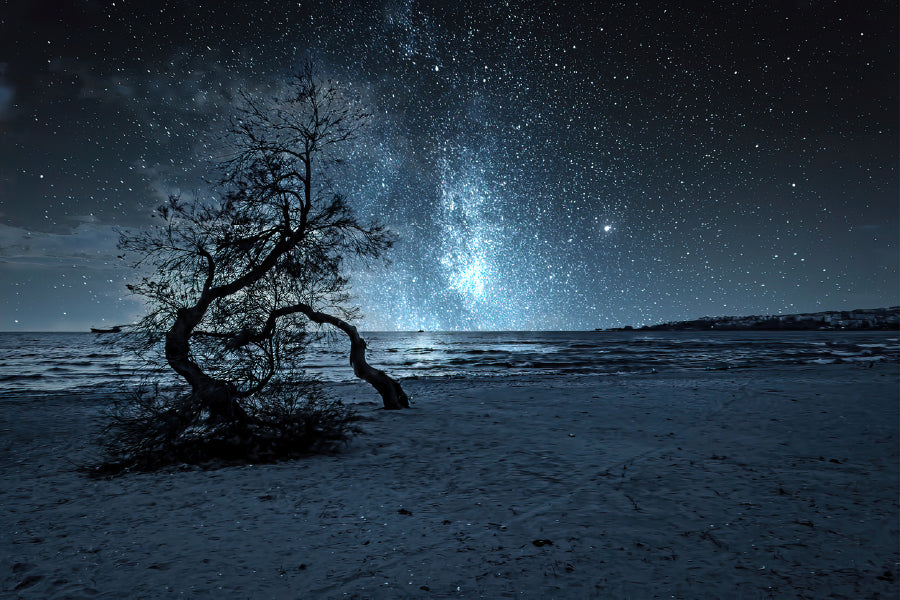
(55, 362)
(27, 377)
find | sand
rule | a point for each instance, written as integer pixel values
(725, 484)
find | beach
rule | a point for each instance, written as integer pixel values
(741, 483)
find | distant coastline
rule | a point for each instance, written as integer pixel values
(870, 319)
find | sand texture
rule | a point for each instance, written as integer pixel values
(756, 483)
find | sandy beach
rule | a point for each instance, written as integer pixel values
(756, 483)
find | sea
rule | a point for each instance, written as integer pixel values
(73, 362)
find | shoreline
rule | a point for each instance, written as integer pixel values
(722, 484)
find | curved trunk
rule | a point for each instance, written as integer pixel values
(220, 397)
(392, 395)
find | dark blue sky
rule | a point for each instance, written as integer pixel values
(546, 165)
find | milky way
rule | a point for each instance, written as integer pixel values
(545, 165)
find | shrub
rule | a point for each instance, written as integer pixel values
(152, 428)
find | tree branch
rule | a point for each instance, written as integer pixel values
(392, 395)
(210, 268)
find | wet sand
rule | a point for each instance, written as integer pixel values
(757, 483)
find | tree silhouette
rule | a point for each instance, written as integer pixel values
(237, 286)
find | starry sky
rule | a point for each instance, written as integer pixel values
(545, 165)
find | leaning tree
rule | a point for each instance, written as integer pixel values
(236, 285)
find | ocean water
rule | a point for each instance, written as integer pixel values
(64, 362)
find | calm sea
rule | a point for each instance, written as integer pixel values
(63, 362)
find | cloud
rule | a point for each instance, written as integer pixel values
(89, 246)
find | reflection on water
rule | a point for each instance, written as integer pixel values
(72, 361)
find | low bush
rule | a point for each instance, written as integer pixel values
(152, 429)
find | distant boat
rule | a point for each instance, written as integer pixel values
(115, 329)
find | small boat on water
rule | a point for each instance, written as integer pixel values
(115, 329)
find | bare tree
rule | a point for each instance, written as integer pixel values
(235, 283)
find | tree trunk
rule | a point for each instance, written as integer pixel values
(220, 397)
(392, 395)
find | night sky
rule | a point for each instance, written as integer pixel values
(545, 165)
